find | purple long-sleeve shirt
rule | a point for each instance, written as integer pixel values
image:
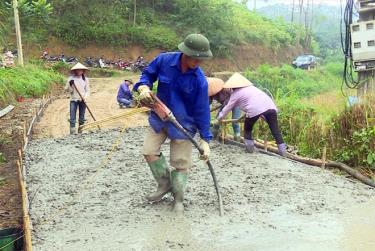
(250, 100)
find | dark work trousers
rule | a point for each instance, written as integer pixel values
(271, 119)
(73, 112)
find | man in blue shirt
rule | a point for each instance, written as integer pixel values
(124, 95)
(183, 88)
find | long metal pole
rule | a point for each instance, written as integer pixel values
(18, 33)
(174, 121)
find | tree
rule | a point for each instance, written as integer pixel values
(2, 28)
(293, 11)
(134, 12)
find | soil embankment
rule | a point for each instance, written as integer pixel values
(242, 57)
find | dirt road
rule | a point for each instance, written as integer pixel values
(88, 194)
(102, 102)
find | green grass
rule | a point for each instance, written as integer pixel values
(285, 81)
(2, 158)
(313, 114)
(29, 81)
(2, 181)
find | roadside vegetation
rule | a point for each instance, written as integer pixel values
(314, 114)
(29, 82)
(153, 24)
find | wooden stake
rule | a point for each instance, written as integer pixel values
(24, 132)
(19, 174)
(222, 133)
(265, 144)
(20, 157)
(324, 156)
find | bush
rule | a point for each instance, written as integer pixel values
(335, 68)
(225, 23)
(286, 81)
(349, 136)
(154, 36)
(353, 135)
(30, 81)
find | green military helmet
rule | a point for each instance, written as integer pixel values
(196, 46)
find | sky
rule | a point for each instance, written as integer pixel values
(263, 3)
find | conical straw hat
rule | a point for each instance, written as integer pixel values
(237, 81)
(215, 85)
(79, 66)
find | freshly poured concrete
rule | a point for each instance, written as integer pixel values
(81, 202)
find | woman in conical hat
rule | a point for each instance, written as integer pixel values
(77, 82)
(255, 103)
(217, 92)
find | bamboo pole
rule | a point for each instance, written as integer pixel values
(224, 121)
(20, 157)
(315, 162)
(25, 139)
(216, 108)
(113, 118)
(26, 218)
(24, 129)
(270, 143)
(265, 141)
(31, 126)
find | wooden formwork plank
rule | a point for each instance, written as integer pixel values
(25, 210)
(6, 110)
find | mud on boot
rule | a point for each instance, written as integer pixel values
(237, 137)
(72, 130)
(250, 146)
(282, 149)
(161, 173)
(178, 179)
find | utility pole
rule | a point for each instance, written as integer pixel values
(18, 33)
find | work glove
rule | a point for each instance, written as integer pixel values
(206, 149)
(71, 82)
(145, 95)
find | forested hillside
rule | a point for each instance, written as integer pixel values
(150, 23)
(323, 20)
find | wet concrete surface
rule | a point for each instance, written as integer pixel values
(80, 201)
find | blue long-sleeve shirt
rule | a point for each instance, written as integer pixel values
(185, 94)
(124, 92)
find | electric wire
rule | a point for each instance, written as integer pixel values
(349, 79)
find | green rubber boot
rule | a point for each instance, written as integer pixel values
(178, 179)
(161, 173)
